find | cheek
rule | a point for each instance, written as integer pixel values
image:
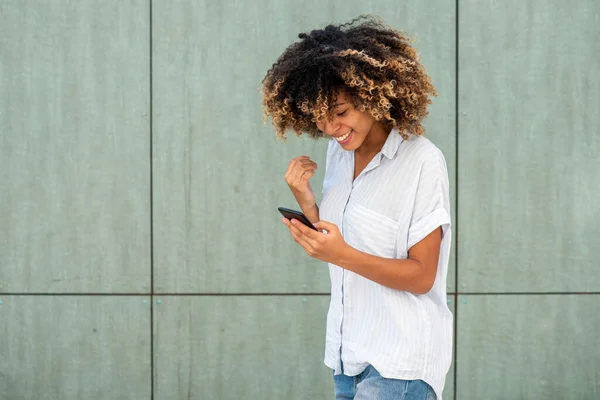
(366, 121)
(362, 125)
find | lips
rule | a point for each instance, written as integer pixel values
(345, 137)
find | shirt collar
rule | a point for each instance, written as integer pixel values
(392, 143)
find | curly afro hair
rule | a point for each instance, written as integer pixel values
(374, 64)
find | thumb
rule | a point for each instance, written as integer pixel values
(328, 226)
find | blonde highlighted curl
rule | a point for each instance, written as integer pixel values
(374, 64)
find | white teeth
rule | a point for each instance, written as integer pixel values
(343, 137)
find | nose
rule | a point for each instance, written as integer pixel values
(330, 128)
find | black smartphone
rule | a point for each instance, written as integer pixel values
(289, 214)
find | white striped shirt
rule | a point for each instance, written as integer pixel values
(398, 199)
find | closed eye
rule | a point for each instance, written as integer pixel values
(342, 113)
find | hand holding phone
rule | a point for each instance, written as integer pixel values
(289, 214)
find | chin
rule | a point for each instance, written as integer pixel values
(354, 144)
(351, 146)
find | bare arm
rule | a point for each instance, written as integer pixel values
(297, 176)
(416, 274)
(312, 213)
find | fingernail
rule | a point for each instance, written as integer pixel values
(294, 221)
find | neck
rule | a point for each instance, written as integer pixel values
(374, 140)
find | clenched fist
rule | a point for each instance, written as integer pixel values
(299, 171)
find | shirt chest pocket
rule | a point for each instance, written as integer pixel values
(370, 231)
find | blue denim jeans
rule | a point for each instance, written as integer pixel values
(369, 385)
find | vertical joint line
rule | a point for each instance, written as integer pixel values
(150, 111)
(456, 289)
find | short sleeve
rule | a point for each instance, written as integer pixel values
(432, 200)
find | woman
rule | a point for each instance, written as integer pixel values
(384, 218)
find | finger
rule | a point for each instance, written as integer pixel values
(293, 230)
(303, 166)
(296, 168)
(307, 162)
(328, 226)
(299, 175)
(312, 235)
(294, 161)
(307, 170)
(306, 176)
(290, 169)
(297, 161)
(299, 158)
(307, 167)
(298, 229)
(300, 238)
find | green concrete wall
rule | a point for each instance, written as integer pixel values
(141, 253)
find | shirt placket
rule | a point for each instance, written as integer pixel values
(352, 184)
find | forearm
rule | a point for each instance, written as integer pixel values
(311, 212)
(401, 274)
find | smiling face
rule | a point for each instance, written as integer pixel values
(353, 129)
